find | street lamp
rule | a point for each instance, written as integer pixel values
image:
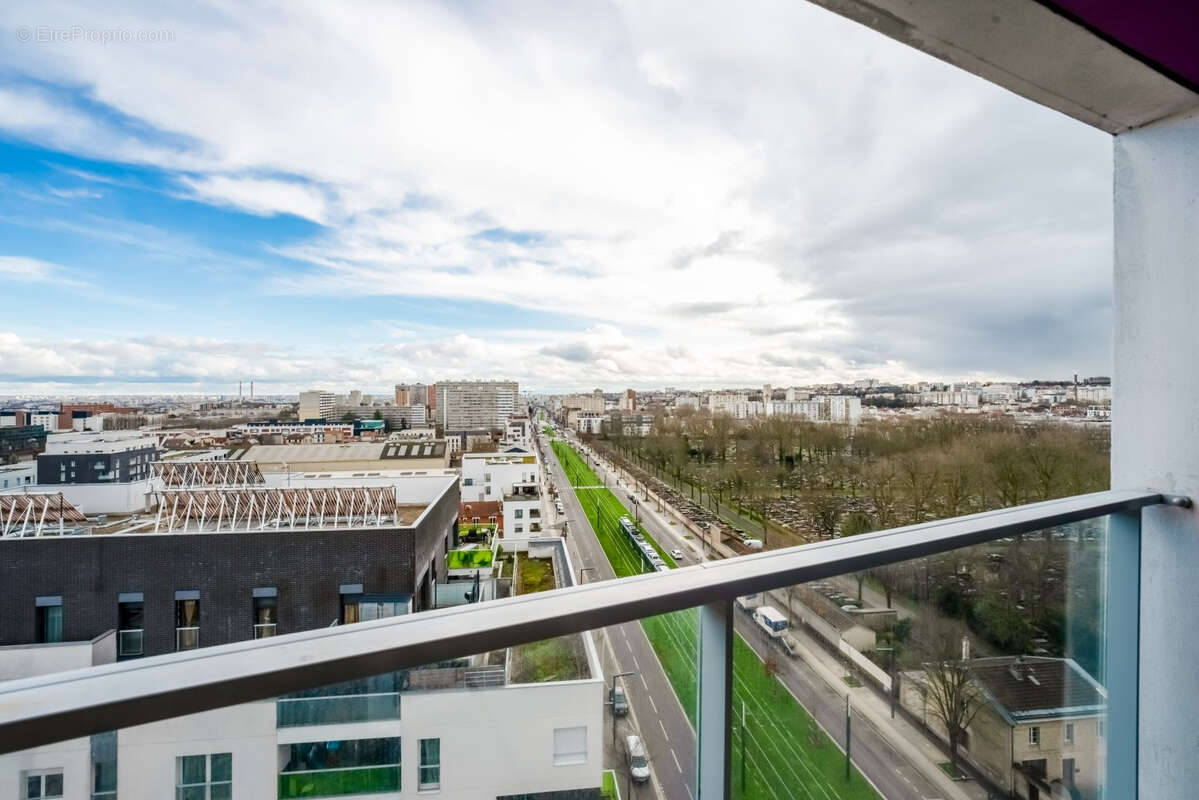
(890, 671)
(612, 699)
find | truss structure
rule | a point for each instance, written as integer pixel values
(37, 514)
(258, 508)
(207, 473)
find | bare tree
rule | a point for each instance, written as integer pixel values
(954, 699)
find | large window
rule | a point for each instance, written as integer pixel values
(187, 620)
(349, 766)
(131, 622)
(204, 777)
(266, 612)
(365, 607)
(570, 746)
(49, 619)
(42, 785)
(430, 765)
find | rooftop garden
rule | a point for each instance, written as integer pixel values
(558, 659)
(469, 559)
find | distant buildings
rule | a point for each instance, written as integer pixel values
(475, 405)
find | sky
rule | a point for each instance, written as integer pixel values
(641, 194)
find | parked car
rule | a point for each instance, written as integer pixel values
(637, 759)
(561, 509)
(676, 554)
(620, 703)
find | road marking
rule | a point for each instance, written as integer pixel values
(652, 703)
(688, 788)
(628, 646)
(636, 666)
(677, 765)
(643, 683)
(663, 727)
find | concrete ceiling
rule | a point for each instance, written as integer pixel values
(1065, 54)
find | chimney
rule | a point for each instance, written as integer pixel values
(1018, 668)
(251, 391)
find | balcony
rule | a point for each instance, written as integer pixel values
(130, 643)
(263, 630)
(729, 660)
(187, 638)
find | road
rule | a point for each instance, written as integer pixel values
(656, 714)
(891, 773)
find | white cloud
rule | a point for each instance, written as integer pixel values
(744, 193)
(32, 270)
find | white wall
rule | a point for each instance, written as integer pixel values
(105, 498)
(146, 753)
(501, 741)
(1155, 427)
(504, 470)
(73, 757)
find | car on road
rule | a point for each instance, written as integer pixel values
(637, 759)
(620, 703)
(676, 554)
(561, 509)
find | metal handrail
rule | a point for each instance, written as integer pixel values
(65, 705)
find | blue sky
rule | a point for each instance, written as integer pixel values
(308, 194)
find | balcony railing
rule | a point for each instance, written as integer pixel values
(51, 708)
(263, 630)
(130, 643)
(187, 638)
(336, 709)
(337, 782)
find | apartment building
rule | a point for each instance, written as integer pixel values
(474, 405)
(460, 729)
(316, 404)
(95, 457)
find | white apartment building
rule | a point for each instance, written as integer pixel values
(14, 476)
(490, 476)
(475, 405)
(735, 404)
(590, 422)
(316, 404)
(320, 432)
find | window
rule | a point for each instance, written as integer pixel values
(1034, 736)
(570, 746)
(204, 777)
(187, 620)
(518, 529)
(49, 619)
(518, 513)
(361, 608)
(1068, 733)
(42, 785)
(266, 612)
(430, 765)
(131, 623)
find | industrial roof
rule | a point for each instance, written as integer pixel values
(356, 451)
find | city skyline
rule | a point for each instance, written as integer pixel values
(593, 208)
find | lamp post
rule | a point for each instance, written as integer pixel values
(612, 699)
(891, 672)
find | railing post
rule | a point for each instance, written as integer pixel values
(1121, 640)
(715, 690)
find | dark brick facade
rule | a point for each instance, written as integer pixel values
(307, 567)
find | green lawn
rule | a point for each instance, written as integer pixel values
(608, 790)
(786, 753)
(534, 574)
(468, 559)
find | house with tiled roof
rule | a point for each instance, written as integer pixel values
(1039, 731)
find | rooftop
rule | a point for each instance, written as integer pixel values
(1034, 687)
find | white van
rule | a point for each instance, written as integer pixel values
(771, 620)
(638, 760)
